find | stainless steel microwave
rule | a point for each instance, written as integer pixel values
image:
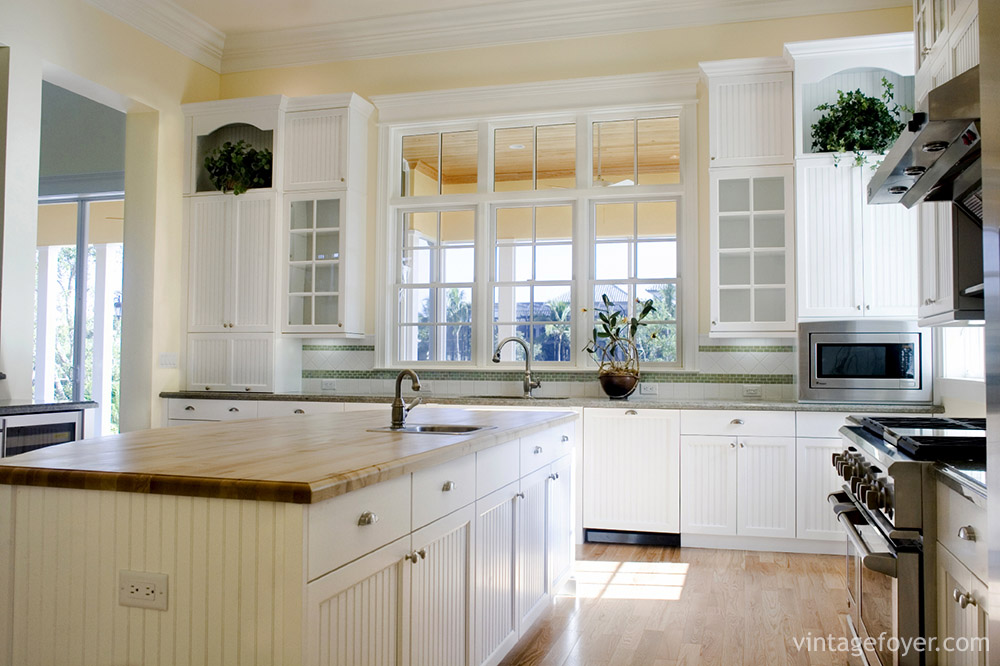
(864, 361)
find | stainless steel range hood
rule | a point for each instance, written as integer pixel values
(937, 157)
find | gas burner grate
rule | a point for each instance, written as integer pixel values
(880, 424)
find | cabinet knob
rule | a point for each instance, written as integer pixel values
(299, 411)
(868, 307)
(340, 325)
(411, 557)
(925, 51)
(448, 486)
(367, 518)
(208, 388)
(553, 477)
(247, 389)
(189, 408)
(422, 553)
(732, 445)
(742, 445)
(736, 422)
(564, 438)
(631, 412)
(964, 600)
(858, 307)
(234, 409)
(537, 450)
(715, 323)
(966, 533)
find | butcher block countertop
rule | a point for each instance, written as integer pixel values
(300, 459)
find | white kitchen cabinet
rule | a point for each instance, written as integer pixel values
(270, 408)
(708, 488)
(243, 362)
(751, 251)
(947, 33)
(631, 470)
(324, 269)
(440, 620)
(816, 478)
(561, 543)
(738, 485)
(231, 263)
(962, 611)
(855, 260)
(532, 526)
(496, 575)
(750, 114)
(315, 149)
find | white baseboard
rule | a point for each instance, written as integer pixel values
(811, 546)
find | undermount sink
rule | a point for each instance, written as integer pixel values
(442, 429)
(517, 397)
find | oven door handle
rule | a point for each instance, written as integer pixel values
(883, 563)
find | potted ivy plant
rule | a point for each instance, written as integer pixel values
(238, 167)
(613, 347)
(857, 122)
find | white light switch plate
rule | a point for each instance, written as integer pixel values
(328, 385)
(752, 391)
(168, 360)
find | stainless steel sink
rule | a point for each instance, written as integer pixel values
(435, 429)
(517, 397)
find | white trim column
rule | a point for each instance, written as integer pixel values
(45, 333)
(103, 337)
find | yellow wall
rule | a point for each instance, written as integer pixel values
(661, 50)
(90, 45)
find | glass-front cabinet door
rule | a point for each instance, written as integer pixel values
(313, 277)
(751, 250)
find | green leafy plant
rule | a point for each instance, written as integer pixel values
(857, 122)
(613, 339)
(238, 167)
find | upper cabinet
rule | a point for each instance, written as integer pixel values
(749, 111)
(752, 198)
(947, 40)
(326, 144)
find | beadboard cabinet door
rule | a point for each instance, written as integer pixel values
(209, 257)
(816, 478)
(709, 484)
(441, 591)
(496, 575)
(532, 575)
(890, 240)
(315, 149)
(766, 496)
(750, 119)
(631, 470)
(252, 264)
(560, 540)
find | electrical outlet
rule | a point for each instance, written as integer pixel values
(752, 391)
(645, 388)
(328, 384)
(142, 589)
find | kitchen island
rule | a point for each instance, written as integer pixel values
(289, 540)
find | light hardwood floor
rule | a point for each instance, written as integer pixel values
(650, 606)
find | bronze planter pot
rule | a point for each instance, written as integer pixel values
(619, 386)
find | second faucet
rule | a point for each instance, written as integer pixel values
(529, 383)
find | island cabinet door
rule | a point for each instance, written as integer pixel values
(358, 615)
(441, 591)
(496, 560)
(560, 544)
(532, 586)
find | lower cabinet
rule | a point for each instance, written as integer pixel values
(738, 485)
(962, 611)
(816, 479)
(496, 574)
(561, 533)
(631, 470)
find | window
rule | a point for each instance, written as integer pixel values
(436, 278)
(635, 259)
(503, 228)
(533, 281)
(963, 352)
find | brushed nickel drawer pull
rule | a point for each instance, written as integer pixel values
(367, 518)
(234, 409)
(736, 422)
(967, 533)
(448, 486)
(631, 412)
(299, 411)
(189, 408)
(537, 450)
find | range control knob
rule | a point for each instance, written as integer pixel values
(873, 499)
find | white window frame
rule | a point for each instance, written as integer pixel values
(484, 199)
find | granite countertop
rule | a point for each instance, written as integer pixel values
(634, 403)
(11, 407)
(300, 459)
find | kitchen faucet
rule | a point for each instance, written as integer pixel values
(528, 382)
(399, 409)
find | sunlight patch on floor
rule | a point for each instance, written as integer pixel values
(662, 581)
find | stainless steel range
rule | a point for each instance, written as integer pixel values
(887, 509)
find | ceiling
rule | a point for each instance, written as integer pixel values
(244, 35)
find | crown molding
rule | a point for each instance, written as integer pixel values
(743, 66)
(172, 25)
(657, 88)
(503, 23)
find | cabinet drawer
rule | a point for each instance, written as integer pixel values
(496, 467)
(212, 410)
(955, 512)
(336, 538)
(442, 489)
(708, 422)
(266, 408)
(541, 448)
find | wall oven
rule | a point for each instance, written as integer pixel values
(864, 361)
